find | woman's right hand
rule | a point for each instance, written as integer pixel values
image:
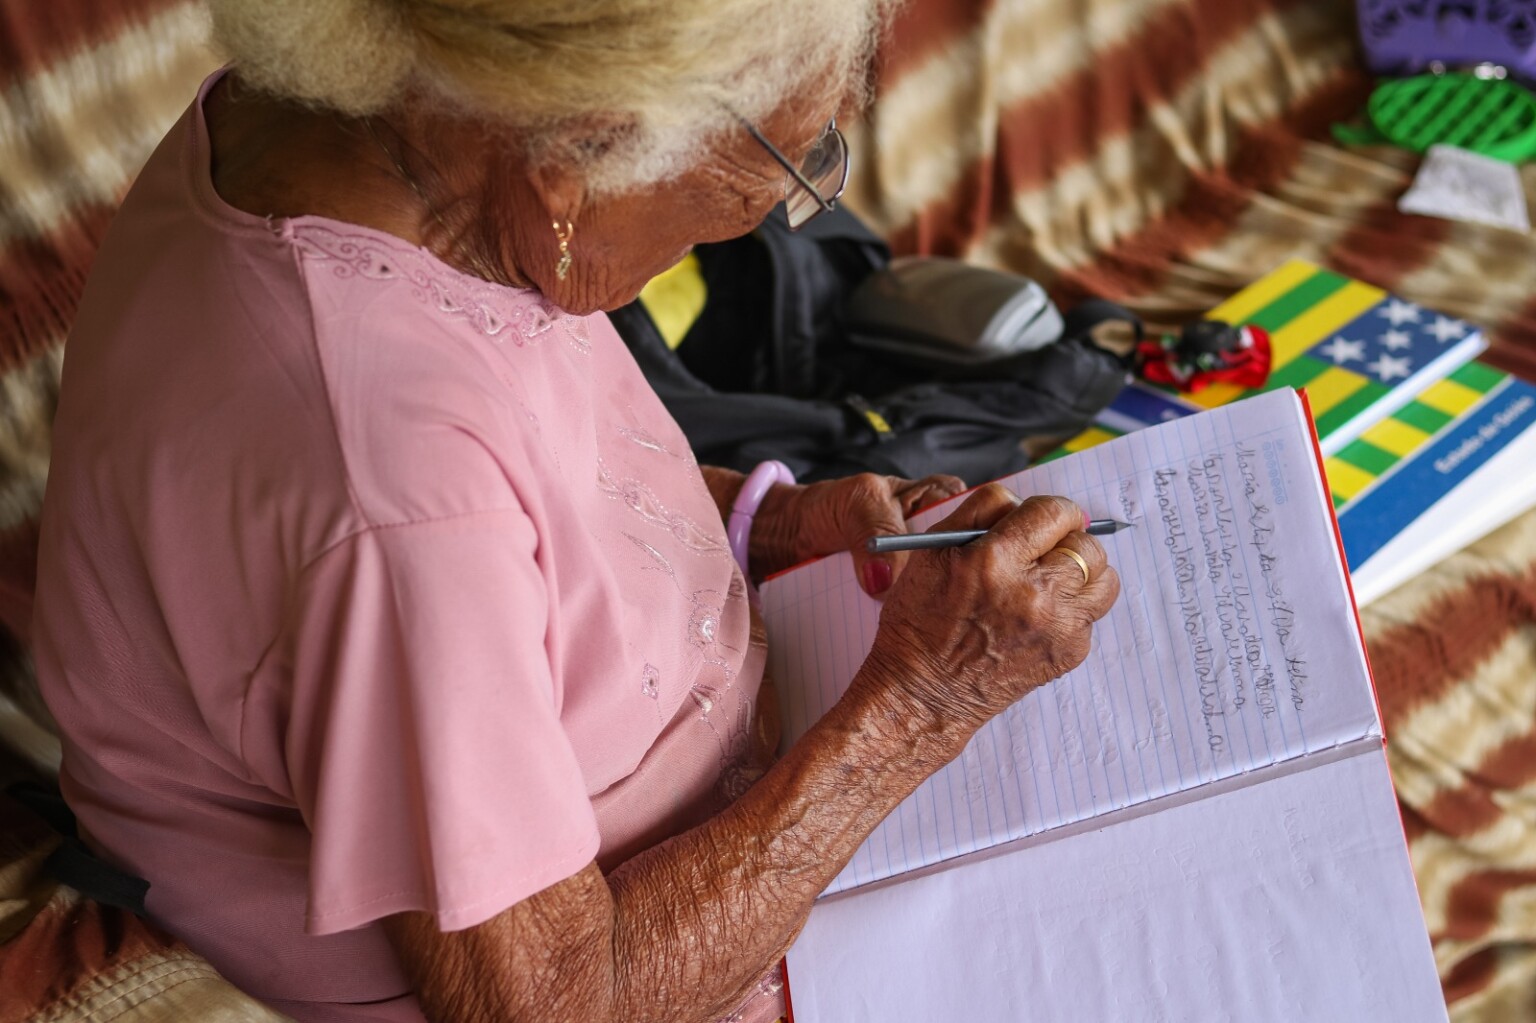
(968, 630)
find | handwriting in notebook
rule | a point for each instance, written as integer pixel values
(1280, 605)
(1230, 661)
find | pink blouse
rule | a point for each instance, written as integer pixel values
(367, 586)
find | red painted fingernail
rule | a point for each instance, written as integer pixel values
(1086, 521)
(877, 577)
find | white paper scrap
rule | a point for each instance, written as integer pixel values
(1458, 184)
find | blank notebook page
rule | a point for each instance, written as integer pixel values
(1283, 902)
(1233, 645)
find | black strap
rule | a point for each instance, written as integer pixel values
(72, 863)
(75, 865)
(47, 803)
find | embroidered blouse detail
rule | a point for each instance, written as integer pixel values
(493, 310)
(640, 499)
(644, 439)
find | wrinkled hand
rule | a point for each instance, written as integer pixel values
(796, 523)
(970, 630)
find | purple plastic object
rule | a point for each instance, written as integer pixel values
(1405, 36)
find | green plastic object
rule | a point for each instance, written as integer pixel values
(1492, 116)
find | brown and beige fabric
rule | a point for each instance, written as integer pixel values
(1454, 654)
(64, 959)
(1162, 153)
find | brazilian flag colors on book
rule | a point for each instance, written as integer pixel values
(1360, 353)
(1427, 419)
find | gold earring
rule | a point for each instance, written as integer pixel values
(564, 237)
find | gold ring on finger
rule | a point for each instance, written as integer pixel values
(1069, 552)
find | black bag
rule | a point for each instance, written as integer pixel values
(767, 371)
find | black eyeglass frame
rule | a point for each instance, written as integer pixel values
(824, 204)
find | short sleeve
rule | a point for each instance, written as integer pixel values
(423, 740)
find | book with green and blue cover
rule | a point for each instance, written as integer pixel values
(1449, 466)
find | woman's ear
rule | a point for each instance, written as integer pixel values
(560, 188)
(562, 172)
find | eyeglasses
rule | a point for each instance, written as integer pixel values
(816, 185)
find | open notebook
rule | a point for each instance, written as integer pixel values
(1196, 823)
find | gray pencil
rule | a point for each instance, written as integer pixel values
(933, 541)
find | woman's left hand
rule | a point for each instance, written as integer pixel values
(799, 522)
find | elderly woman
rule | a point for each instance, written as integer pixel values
(392, 628)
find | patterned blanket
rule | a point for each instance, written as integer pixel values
(1162, 153)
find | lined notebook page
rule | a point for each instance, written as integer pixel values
(1233, 644)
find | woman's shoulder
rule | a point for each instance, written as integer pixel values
(430, 416)
(314, 362)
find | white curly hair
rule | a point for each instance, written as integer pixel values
(647, 80)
